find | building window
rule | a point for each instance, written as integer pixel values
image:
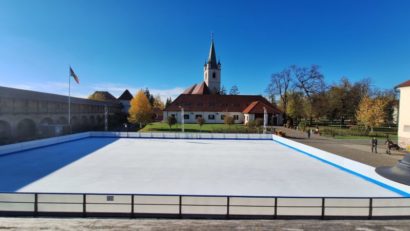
(198, 116)
(211, 117)
(222, 117)
(235, 117)
(213, 75)
(186, 117)
(173, 115)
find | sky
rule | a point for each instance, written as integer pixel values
(162, 45)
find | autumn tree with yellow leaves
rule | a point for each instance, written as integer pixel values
(140, 111)
(371, 112)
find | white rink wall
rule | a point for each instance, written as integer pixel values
(18, 147)
(361, 170)
(186, 135)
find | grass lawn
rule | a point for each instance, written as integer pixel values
(163, 127)
(346, 133)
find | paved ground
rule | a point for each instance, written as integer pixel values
(153, 224)
(358, 150)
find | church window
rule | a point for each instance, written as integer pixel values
(213, 75)
(186, 116)
(211, 117)
(235, 117)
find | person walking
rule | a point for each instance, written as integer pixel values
(374, 145)
(388, 146)
(308, 133)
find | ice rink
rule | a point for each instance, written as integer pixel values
(172, 166)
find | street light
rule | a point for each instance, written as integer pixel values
(182, 119)
(126, 128)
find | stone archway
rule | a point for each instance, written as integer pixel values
(62, 121)
(75, 123)
(45, 127)
(26, 129)
(5, 132)
(85, 123)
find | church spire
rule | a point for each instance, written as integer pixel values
(212, 56)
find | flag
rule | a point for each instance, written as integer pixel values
(74, 76)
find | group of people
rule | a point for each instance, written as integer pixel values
(389, 145)
(309, 131)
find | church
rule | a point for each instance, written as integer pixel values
(205, 100)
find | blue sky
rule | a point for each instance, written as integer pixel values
(162, 45)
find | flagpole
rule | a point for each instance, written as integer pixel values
(69, 101)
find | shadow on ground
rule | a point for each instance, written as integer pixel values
(22, 168)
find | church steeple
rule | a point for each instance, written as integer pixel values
(212, 56)
(212, 70)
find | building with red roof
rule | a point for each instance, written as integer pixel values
(206, 101)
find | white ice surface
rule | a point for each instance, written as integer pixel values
(200, 167)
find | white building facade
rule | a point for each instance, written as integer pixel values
(404, 115)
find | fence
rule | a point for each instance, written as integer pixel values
(188, 206)
(183, 135)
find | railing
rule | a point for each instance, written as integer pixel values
(188, 206)
(184, 135)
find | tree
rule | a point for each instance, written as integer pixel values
(140, 111)
(222, 91)
(309, 81)
(279, 86)
(234, 90)
(296, 106)
(158, 102)
(168, 102)
(171, 120)
(200, 121)
(371, 112)
(150, 97)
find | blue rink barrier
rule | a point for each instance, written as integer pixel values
(200, 206)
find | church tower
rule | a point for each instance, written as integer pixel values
(212, 71)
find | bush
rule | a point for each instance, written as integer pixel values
(258, 122)
(171, 120)
(228, 120)
(302, 125)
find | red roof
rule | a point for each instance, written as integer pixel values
(197, 89)
(404, 84)
(221, 103)
(256, 107)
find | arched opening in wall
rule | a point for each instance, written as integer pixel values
(26, 129)
(85, 123)
(5, 132)
(75, 124)
(100, 122)
(62, 121)
(92, 121)
(46, 127)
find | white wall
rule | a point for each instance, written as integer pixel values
(404, 118)
(192, 119)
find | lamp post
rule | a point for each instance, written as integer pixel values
(126, 128)
(265, 119)
(182, 119)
